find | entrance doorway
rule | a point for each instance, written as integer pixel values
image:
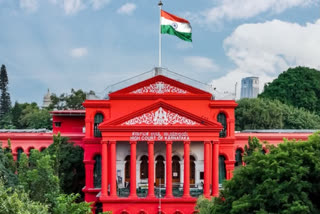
(175, 170)
(159, 170)
(144, 167)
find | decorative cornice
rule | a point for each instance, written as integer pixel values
(223, 104)
(96, 104)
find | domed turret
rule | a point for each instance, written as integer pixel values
(46, 99)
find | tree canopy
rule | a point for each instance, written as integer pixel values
(299, 87)
(68, 164)
(5, 102)
(286, 180)
(36, 186)
(18, 202)
(7, 167)
(262, 113)
(73, 100)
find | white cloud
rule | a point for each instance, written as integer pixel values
(127, 9)
(29, 5)
(78, 52)
(273, 46)
(243, 9)
(99, 4)
(266, 49)
(201, 63)
(72, 6)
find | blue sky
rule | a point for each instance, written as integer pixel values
(90, 44)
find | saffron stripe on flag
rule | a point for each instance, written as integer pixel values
(172, 17)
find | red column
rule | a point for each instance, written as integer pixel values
(210, 164)
(215, 169)
(109, 167)
(206, 185)
(133, 163)
(113, 169)
(169, 169)
(89, 167)
(89, 128)
(151, 169)
(104, 173)
(186, 184)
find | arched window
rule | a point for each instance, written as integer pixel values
(98, 118)
(127, 170)
(31, 148)
(19, 152)
(192, 170)
(238, 158)
(97, 172)
(159, 170)
(7, 150)
(222, 169)
(223, 120)
(144, 167)
(176, 170)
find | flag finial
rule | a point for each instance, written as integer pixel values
(160, 3)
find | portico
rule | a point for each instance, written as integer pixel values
(154, 125)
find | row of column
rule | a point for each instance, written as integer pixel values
(109, 149)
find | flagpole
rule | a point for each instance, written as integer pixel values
(160, 7)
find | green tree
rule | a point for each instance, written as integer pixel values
(37, 177)
(286, 180)
(254, 145)
(299, 87)
(73, 100)
(6, 122)
(272, 114)
(66, 204)
(28, 116)
(5, 103)
(15, 201)
(7, 167)
(35, 118)
(16, 113)
(68, 164)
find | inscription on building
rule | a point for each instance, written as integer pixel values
(159, 136)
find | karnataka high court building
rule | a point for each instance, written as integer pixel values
(153, 146)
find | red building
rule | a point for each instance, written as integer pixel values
(138, 141)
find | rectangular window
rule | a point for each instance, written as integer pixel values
(57, 124)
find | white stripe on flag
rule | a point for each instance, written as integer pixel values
(178, 26)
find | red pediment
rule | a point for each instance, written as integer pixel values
(160, 116)
(160, 87)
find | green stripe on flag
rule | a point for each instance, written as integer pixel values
(168, 29)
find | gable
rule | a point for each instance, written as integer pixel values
(160, 117)
(160, 87)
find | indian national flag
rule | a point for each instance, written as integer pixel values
(174, 25)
